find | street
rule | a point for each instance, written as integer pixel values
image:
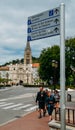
(16, 102)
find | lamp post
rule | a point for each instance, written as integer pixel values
(27, 74)
(7, 75)
(54, 65)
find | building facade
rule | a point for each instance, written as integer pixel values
(4, 72)
(22, 73)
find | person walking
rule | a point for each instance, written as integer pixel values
(40, 99)
(50, 101)
(57, 100)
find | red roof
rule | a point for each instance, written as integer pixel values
(4, 68)
(35, 65)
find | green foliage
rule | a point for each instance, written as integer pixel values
(2, 80)
(46, 57)
(35, 60)
(70, 60)
(46, 70)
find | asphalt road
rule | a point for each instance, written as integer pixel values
(16, 102)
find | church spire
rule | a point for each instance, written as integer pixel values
(27, 55)
(28, 46)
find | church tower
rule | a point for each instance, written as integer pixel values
(27, 54)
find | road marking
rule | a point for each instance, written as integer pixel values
(2, 105)
(32, 108)
(2, 102)
(12, 106)
(25, 106)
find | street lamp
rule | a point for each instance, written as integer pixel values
(7, 75)
(54, 65)
(27, 78)
(27, 74)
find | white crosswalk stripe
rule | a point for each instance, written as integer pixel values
(2, 102)
(16, 105)
(25, 106)
(32, 108)
(6, 104)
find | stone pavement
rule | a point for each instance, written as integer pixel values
(28, 122)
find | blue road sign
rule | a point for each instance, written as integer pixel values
(44, 24)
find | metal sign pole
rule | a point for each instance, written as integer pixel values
(62, 65)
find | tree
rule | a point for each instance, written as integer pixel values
(35, 60)
(46, 57)
(22, 60)
(70, 59)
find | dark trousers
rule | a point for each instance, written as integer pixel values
(50, 108)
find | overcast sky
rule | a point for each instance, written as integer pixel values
(13, 26)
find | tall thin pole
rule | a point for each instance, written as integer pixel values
(62, 65)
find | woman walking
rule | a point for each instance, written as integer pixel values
(50, 101)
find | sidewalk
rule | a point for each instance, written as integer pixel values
(28, 122)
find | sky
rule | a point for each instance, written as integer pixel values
(13, 26)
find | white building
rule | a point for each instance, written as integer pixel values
(4, 72)
(21, 73)
(35, 67)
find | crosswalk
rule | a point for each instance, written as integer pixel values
(17, 106)
(22, 107)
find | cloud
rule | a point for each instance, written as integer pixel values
(9, 55)
(13, 26)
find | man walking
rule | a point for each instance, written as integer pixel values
(41, 97)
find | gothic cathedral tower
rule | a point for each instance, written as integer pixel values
(27, 54)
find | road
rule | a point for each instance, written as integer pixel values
(16, 102)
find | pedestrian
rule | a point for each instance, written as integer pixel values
(46, 92)
(50, 101)
(57, 99)
(46, 95)
(52, 92)
(40, 99)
